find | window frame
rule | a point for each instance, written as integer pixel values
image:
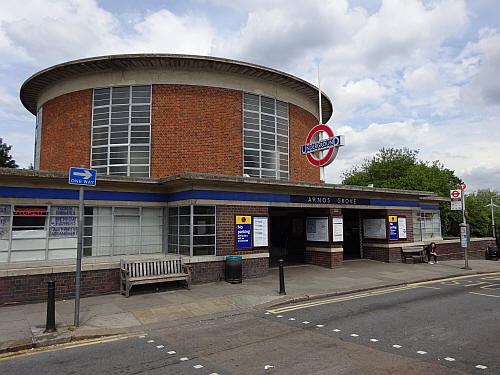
(263, 138)
(130, 124)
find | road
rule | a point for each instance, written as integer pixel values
(441, 327)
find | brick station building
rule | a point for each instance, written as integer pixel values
(185, 148)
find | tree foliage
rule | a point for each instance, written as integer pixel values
(479, 217)
(401, 169)
(6, 160)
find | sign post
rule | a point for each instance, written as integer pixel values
(464, 229)
(82, 177)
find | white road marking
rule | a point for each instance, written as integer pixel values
(267, 367)
(397, 346)
(449, 359)
(481, 367)
(305, 322)
(279, 316)
(267, 313)
(373, 340)
(150, 341)
(171, 352)
(291, 319)
(213, 373)
(354, 335)
(336, 330)
(198, 366)
(421, 352)
(160, 346)
(141, 337)
(319, 325)
(184, 359)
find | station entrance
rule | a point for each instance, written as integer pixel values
(353, 246)
(288, 237)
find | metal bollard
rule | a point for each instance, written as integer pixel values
(282, 278)
(50, 326)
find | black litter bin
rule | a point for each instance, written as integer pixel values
(233, 269)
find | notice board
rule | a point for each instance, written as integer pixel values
(374, 228)
(317, 229)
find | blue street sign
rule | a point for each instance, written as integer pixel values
(82, 176)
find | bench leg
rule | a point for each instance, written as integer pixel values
(127, 289)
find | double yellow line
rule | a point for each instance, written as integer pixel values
(341, 299)
(28, 352)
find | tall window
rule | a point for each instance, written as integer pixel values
(426, 225)
(265, 137)
(121, 124)
(38, 138)
(191, 230)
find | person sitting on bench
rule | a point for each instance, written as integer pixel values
(431, 251)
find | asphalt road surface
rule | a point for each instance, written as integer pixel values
(443, 327)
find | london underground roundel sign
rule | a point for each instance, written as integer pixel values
(321, 152)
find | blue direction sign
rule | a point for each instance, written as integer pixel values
(82, 176)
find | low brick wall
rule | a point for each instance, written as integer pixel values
(453, 251)
(446, 249)
(324, 259)
(215, 271)
(33, 288)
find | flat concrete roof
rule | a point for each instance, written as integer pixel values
(180, 181)
(38, 82)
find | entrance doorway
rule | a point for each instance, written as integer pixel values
(288, 237)
(352, 234)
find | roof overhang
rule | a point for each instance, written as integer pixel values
(37, 83)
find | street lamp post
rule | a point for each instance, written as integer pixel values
(492, 215)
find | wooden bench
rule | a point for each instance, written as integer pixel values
(415, 252)
(148, 271)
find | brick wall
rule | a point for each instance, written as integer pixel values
(324, 259)
(194, 129)
(451, 251)
(33, 288)
(66, 129)
(215, 271)
(301, 122)
(225, 233)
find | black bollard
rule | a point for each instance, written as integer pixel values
(50, 326)
(282, 278)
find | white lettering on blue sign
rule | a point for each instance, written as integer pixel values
(324, 144)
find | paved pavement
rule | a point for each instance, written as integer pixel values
(22, 326)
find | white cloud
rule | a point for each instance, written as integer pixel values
(484, 88)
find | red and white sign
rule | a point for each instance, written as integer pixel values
(462, 186)
(456, 194)
(315, 145)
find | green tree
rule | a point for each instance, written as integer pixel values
(6, 160)
(479, 217)
(401, 169)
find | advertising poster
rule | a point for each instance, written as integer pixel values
(317, 229)
(260, 231)
(402, 227)
(374, 228)
(243, 232)
(393, 227)
(338, 228)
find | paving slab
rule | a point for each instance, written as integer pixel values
(110, 314)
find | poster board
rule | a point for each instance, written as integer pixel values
(402, 227)
(374, 228)
(317, 229)
(393, 227)
(338, 228)
(243, 232)
(260, 231)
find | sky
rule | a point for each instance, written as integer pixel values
(421, 74)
